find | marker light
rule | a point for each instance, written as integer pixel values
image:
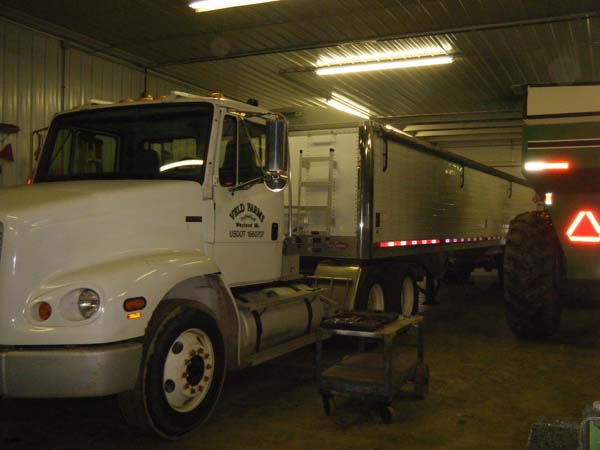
(44, 311)
(548, 198)
(385, 65)
(212, 5)
(135, 315)
(184, 163)
(134, 304)
(584, 228)
(539, 166)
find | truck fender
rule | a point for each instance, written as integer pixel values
(151, 276)
(212, 296)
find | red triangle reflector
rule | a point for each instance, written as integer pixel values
(584, 228)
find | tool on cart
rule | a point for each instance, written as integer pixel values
(372, 375)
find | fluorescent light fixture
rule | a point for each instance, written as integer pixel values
(184, 163)
(213, 5)
(396, 130)
(417, 52)
(539, 166)
(348, 106)
(385, 65)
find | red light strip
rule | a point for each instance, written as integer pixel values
(417, 242)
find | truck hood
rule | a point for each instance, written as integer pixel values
(43, 203)
(52, 229)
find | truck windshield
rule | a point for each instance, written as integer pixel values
(164, 141)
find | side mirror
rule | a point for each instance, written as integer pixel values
(276, 176)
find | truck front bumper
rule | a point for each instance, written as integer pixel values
(79, 371)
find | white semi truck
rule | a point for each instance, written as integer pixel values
(149, 255)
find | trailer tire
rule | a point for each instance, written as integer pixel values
(373, 292)
(181, 374)
(533, 271)
(408, 301)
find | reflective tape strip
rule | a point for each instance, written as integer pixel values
(417, 242)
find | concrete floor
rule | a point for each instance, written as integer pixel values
(486, 390)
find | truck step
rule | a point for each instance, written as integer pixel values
(282, 349)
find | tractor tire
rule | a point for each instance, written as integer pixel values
(533, 271)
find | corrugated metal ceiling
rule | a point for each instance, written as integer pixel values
(499, 45)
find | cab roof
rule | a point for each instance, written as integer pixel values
(173, 97)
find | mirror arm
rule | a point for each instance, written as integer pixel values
(246, 184)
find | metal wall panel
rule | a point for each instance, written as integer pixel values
(31, 87)
(29, 91)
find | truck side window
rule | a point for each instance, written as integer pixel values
(228, 152)
(61, 158)
(258, 137)
(249, 163)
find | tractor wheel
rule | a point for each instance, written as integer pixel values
(533, 271)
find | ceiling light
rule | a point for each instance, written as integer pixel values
(344, 104)
(417, 52)
(212, 5)
(400, 64)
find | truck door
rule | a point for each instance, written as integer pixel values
(248, 219)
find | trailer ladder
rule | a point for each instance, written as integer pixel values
(328, 183)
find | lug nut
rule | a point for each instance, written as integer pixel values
(193, 391)
(206, 378)
(208, 366)
(206, 355)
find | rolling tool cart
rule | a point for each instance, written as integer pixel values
(374, 375)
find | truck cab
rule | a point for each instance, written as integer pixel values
(118, 262)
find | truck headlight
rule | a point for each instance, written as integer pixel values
(89, 303)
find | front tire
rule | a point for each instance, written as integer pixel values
(181, 374)
(533, 271)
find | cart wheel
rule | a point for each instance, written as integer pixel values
(328, 405)
(421, 380)
(387, 414)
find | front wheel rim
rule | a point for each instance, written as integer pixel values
(189, 370)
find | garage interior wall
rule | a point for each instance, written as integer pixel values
(31, 87)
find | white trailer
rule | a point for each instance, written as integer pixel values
(149, 256)
(384, 210)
